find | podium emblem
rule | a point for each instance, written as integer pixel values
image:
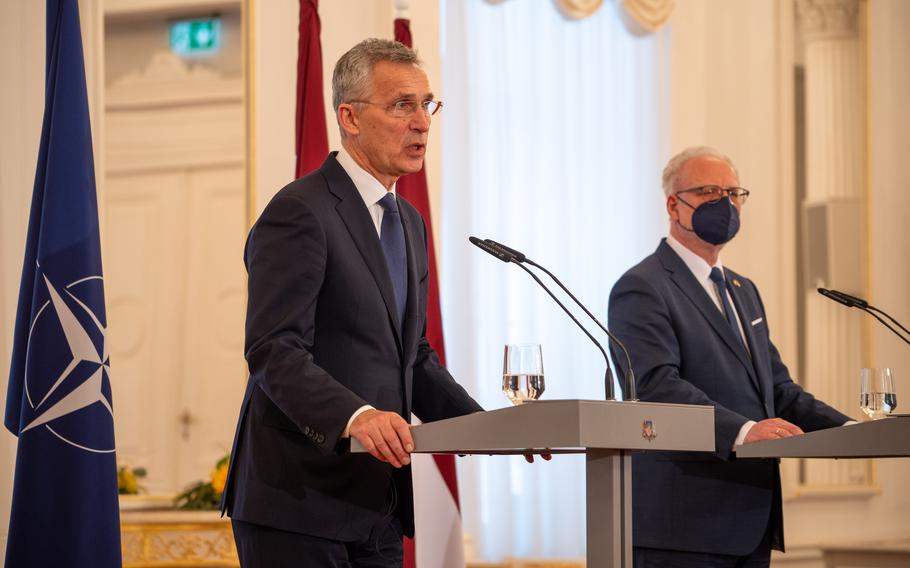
(648, 431)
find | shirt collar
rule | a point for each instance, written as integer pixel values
(697, 265)
(369, 187)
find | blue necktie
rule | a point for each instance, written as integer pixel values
(391, 235)
(717, 276)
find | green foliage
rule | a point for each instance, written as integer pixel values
(199, 497)
(205, 495)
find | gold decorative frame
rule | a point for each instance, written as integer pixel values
(153, 545)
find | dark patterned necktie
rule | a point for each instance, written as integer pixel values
(391, 235)
(717, 276)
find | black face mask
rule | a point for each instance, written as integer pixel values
(715, 222)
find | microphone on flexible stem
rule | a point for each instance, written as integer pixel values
(519, 257)
(504, 255)
(863, 305)
(854, 302)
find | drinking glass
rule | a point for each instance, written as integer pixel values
(877, 397)
(522, 373)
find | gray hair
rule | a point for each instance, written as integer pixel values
(671, 171)
(354, 70)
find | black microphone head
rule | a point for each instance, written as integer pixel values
(857, 302)
(519, 256)
(489, 249)
(836, 296)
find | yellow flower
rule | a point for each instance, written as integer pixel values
(127, 481)
(219, 476)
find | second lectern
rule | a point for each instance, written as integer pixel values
(605, 431)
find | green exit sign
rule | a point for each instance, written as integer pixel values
(194, 37)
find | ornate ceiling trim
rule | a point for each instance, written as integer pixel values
(641, 17)
(578, 9)
(644, 17)
(828, 19)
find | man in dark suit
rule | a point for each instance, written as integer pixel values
(698, 334)
(335, 337)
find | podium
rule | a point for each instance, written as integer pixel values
(885, 438)
(605, 431)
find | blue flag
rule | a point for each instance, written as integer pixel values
(65, 507)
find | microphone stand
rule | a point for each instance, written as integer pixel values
(630, 393)
(854, 302)
(507, 256)
(608, 376)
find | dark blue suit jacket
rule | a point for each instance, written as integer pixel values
(322, 340)
(684, 351)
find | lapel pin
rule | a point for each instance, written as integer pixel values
(736, 283)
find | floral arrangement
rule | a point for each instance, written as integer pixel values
(128, 480)
(205, 494)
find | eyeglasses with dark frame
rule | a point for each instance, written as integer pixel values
(406, 108)
(715, 192)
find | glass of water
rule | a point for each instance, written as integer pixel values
(877, 397)
(522, 373)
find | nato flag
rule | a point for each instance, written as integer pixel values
(65, 510)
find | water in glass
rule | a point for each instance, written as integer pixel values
(877, 396)
(522, 373)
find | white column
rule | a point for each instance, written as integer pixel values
(834, 213)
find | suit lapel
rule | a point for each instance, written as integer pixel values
(353, 212)
(684, 279)
(756, 345)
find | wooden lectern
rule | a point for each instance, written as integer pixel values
(886, 438)
(606, 431)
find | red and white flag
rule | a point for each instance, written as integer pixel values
(311, 137)
(438, 541)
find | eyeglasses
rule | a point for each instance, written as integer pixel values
(715, 192)
(406, 108)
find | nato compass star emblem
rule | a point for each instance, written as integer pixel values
(68, 374)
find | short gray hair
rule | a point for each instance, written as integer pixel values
(671, 171)
(354, 70)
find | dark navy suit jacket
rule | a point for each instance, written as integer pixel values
(684, 351)
(322, 340)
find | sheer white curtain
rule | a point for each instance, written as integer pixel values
(554, 136)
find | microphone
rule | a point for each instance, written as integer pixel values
(858, 302)
(837, 297)
(844, 298)
(519, 256)
(502, 255)
(510, 255)
(629, 393)
(854, 302)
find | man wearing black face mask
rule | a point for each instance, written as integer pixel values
(697, 334)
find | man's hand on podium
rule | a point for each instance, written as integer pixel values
(530, 457)
(385, 435)
(772, 429)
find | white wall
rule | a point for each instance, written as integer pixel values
(21, 108)
(889, 82)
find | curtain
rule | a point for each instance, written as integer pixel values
(554, 135)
